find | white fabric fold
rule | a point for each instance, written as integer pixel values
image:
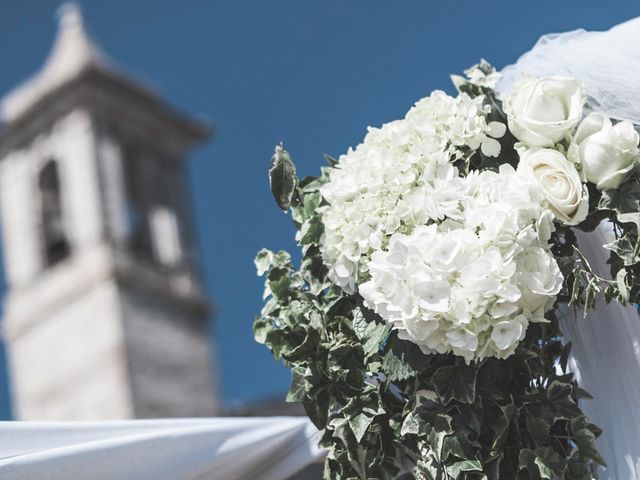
(271, 448)
(608, 64)
(606, 361)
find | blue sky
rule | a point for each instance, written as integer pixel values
(313, 74)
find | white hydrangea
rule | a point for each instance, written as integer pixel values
(401, 176)
(471, 283)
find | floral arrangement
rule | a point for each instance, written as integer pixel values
(421, 327)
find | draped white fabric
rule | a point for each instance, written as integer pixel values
(606, 361)
(608, 64)
(271, 448)
(606, 352)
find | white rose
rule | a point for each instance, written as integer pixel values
(542, 111)
(565, 195)
(606, 152)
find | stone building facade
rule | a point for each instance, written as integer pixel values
(105, 315)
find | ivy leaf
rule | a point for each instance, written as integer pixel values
(590, 295)
(263, 261)
(501, 427)
(403, 359)
(260, 329)
(330, 160)
(311, 231)
(624, 200)
(297, 389)
(559, 390)
(359, 425)
(396, 368)
(312, 201)
(464, 466)
(543, 463)
(627, 248)
(576, 286)
(282, 178)
(623, 290)
(550, 465)
(371, 334)
(584, 437)
(538, 428)
(456, 383)
(375, 334)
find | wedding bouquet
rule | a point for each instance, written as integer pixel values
(421, 327)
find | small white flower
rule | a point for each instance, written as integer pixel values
(539, 279)
(491, 147)
(401, 174)
(508, 332)
(470, 286)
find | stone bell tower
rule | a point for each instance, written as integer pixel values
(105, 316)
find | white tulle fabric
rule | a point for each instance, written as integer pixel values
(606, 345)
(608, 63)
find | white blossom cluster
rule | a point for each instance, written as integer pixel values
(462, 264)
(399, 177)
(471, 283)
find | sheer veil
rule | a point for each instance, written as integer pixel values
(606, 345)
(608, 63)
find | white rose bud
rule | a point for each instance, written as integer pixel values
(566, 197)
(542, 111)
(606, 152)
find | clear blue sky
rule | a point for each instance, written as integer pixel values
(311, 73)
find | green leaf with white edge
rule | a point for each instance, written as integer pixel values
(590, 294)
(402, 359)
(359, 324)
(375, 334)
(371, 334)
(623, 289)
(411, 425)
(396, 368)
(282, 178)
(625, 201)
(464, 466)
(311, 231)
(297, 389)
(330, 160)
(585, 438)
(263, 261)
(261, 328)
(500, 426)
(576, 286)
(538, 428)
(359, 424)
(311, 201)
(627, 248)
(456, 383)
(630, 217)
(550, 465)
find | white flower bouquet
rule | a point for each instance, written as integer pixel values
(421, 327)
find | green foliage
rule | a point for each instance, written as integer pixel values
(282, 177)
(388, 411)
(621, 208)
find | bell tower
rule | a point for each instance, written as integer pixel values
(105, 315)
